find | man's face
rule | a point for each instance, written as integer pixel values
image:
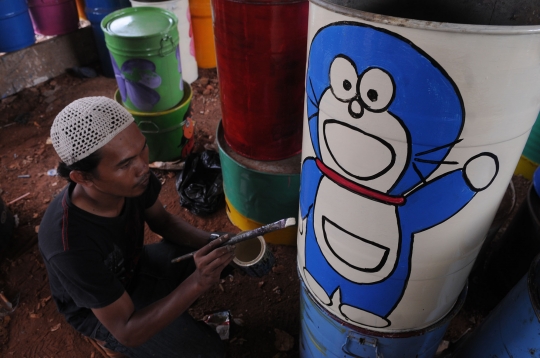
(123, 169)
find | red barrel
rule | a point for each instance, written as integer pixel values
(261, 58)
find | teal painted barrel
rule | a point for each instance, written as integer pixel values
(324, 335)
(143, 43)
(262, 191)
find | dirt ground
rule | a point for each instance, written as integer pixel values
(265, 310)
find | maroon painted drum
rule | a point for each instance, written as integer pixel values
(261, 58)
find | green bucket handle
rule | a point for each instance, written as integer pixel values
(161, 44)
(156, 128)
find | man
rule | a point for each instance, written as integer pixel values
(109, 286)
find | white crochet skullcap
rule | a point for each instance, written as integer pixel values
(85, 125)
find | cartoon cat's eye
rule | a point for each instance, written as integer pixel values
(343, 78)
(376, 89)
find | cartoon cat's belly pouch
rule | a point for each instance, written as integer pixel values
(353, 250)
(358, 236)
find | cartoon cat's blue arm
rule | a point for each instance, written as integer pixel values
(436, 201)
(309, 182)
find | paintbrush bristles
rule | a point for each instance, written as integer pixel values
(290, 222)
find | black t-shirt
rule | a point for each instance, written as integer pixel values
(91, 259)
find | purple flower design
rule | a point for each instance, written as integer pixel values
(136, 80)
(179, 67)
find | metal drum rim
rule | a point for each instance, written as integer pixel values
(430, 25)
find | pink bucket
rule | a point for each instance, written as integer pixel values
(54, 17)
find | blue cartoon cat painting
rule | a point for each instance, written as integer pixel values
(382, 117)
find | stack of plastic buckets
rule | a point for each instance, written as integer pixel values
(95, 11)
(16, 31)
(261, 51)
(143, 43)
(54, 17)
(407, 152)
(180, 8)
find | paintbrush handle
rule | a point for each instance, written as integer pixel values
(183, 257)
(246, 235)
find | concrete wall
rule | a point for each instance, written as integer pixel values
(45, 60)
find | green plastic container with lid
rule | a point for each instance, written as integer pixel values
(143, 43)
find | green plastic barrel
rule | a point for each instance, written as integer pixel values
(164, 131)
(143, 43)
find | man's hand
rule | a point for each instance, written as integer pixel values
(210, 260)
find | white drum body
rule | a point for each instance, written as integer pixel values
(412, 132)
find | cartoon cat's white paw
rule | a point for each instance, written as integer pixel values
(316, 289)
(362, 317)
(481, 170)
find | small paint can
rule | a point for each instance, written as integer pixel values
(254, 257)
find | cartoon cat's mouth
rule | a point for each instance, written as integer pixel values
(359, 253)
(359, 154)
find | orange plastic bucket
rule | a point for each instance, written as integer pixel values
(203, 33)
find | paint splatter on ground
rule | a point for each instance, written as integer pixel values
(265, 310)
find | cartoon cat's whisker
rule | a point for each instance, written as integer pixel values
(451, 144)
(419, 173)
(435, 161)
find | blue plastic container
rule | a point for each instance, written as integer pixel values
(512, 329)
(95, 11)
(16, 30)
(324, 335)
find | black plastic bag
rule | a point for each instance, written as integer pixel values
(200, 183)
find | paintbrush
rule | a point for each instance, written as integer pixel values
(246, 235)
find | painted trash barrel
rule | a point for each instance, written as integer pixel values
(512, 328)
(16, 31)
(54, 17)
(406, 156)
(180, 8)
(166, 132)
(95, 11)
(262, 119)
(143, 42)
(530, 158)
(324, 335)
(203, 33)
(262, 192)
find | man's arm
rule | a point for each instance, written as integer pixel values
(174, 228)
(133, 328)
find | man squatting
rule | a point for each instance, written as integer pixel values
(110, 287)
